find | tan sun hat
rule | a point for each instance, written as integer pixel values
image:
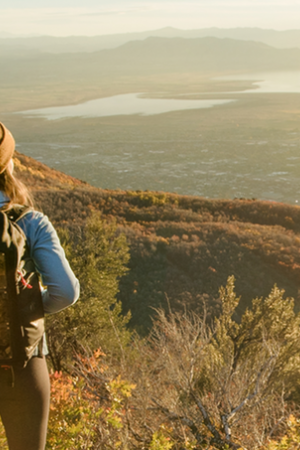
(7, 147)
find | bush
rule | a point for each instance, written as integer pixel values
(191, 385)
(98, 256)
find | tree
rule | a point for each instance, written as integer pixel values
(98, 256)
(191, 384)
(226, 385)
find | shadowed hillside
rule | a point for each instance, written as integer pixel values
(183, 248)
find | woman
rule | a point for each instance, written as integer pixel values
(24, 407)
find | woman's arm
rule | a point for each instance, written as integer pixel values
(62, 287)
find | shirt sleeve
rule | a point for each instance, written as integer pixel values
(62, 287)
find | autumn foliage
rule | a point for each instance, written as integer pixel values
(189, 385)
(181, 247)
(198, 367)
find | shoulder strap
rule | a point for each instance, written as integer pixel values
(17, 212)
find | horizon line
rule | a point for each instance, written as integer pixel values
(8, 35)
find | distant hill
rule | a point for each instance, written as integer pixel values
(151, 56)
(182, 248)
(75, 44)
(4, 35)
(178, 54)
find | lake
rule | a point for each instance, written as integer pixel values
(125, 104)
(182, 153)
(268, 82)
(137, 103)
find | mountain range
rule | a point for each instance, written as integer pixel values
(74, 44)
(154, 55)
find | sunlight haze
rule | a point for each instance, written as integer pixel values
(64, 18)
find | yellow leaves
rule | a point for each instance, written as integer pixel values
(3, 442)
(150, 198)
(120, 389)
(249, 246)
(162, 240)
(113, 420)
(291, 440)
(160, 441)
(252, 231)
(23, 168)
(190, 444)
(19, 165)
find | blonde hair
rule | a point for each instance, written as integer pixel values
(15, 190)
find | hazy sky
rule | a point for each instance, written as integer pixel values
(95, 17)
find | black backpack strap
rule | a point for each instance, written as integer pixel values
(17, 212)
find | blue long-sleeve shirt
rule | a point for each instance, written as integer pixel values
(62, 287)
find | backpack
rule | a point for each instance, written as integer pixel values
(21, 307)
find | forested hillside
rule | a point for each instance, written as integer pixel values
(210, 374)
(182, 248)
